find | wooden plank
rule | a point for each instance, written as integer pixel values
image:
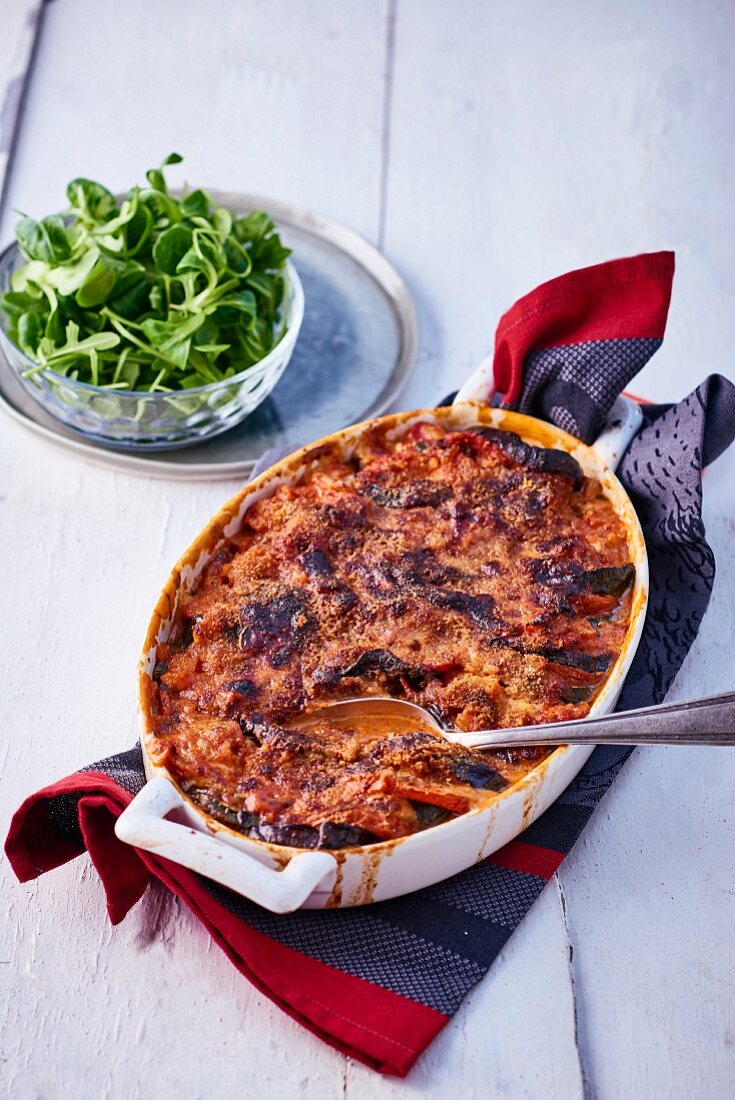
(528, 140)
(246, 92)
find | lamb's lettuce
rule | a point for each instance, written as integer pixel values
(152, 294)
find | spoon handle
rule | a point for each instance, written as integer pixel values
(709, 721)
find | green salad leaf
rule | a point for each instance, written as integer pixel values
(155, 293)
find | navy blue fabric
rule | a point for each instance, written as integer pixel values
(662, 472)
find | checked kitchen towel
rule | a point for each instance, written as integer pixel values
(379, 982)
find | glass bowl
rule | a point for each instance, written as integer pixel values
(154, 421)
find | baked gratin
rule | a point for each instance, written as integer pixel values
(466, 570)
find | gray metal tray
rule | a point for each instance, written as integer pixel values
(355, 351)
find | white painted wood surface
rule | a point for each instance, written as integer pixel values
(19, 20)
(486, 146)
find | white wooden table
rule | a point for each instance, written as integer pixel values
(486, 146)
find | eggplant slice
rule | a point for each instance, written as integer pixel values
(549, 460)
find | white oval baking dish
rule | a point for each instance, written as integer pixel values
(163, 820)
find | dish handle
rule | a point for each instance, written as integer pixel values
(622, 422)
(144, 824)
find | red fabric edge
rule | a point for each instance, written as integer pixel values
(519, 856)
(27, 844)
(627, 298)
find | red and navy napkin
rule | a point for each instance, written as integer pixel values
(566, 350)
(379, 982)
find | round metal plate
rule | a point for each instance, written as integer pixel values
(355, 351)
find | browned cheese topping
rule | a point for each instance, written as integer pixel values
(464, 570)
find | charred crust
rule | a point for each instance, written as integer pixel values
(250, 727)
(276, 628)
(567, 575)
(421, 567)
(428, 747)
(479, 608)
(244, 687)
(382, 660)
(315, 563)
(419, 494)
(586, 662)
(548, 460)
(319, 570)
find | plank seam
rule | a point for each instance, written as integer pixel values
(388, 71)
(588, 1092)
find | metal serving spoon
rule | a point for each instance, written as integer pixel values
(709, 721)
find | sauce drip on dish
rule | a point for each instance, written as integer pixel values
(465, 570)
